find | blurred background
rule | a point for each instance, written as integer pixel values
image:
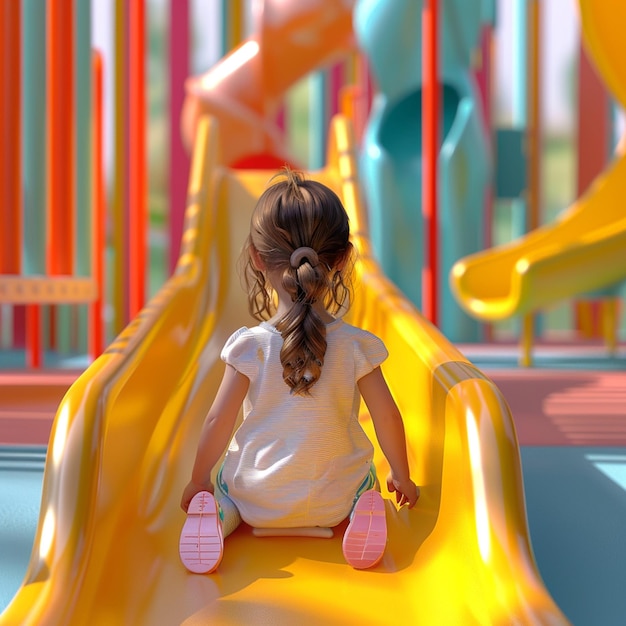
(215, 28)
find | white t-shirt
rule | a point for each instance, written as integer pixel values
(299, 460)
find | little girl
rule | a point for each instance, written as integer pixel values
(300, 459)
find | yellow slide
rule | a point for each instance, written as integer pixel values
(585, 249)
(124, 438)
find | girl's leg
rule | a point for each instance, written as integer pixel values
(369, 482)
(365, 538)
(229, 513)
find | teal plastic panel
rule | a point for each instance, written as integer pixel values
(511, 166)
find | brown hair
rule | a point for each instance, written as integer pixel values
(300, 229)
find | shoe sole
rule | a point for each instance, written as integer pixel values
(201, 542)
(365, 538)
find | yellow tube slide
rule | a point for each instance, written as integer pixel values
(585, 249)
(124, 439)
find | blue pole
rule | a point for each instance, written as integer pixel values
(519, 211)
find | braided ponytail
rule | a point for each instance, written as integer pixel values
(303, 331)
(300, 232)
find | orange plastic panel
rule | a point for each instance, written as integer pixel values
(244, 89)
(46, 289)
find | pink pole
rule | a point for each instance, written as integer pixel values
(137, 158)
(179, 159)
(365, 94)
(484, 81)
(430, 151)
(336, 80)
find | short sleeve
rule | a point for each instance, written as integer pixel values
(369, 353)
(240, 351)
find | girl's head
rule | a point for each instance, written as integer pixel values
(299, 243)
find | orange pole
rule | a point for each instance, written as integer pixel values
(430, 152)
(96, 336)
(61, 151)
(534, 121)
(137, 174)
(232, 24)
(10, 153)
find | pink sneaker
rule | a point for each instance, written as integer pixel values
(201, 542)
(366, 536)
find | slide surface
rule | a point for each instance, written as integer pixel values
(585, 249)
(124, 439)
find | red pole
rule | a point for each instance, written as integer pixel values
(10, 152)
(137, 169)
(593, 149)
(61, 154)
(33, 336)
(430, 152)
(61, 144)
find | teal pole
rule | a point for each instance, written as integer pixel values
(225, 22)
(34, 181)
(318, 115)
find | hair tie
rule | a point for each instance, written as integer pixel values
(303, 252)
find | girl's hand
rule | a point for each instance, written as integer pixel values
(191, 490)
(407, 492)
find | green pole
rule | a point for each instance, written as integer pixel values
(83, 132)
(34, 135)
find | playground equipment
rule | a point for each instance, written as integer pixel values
(584, 249)
(245, 88)
(461, 556)
(388, 32)
(51, 238)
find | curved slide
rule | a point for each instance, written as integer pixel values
(124, 438)
(585, 249)
(244, 89)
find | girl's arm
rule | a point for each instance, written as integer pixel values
(216, 432)
(390, 434)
